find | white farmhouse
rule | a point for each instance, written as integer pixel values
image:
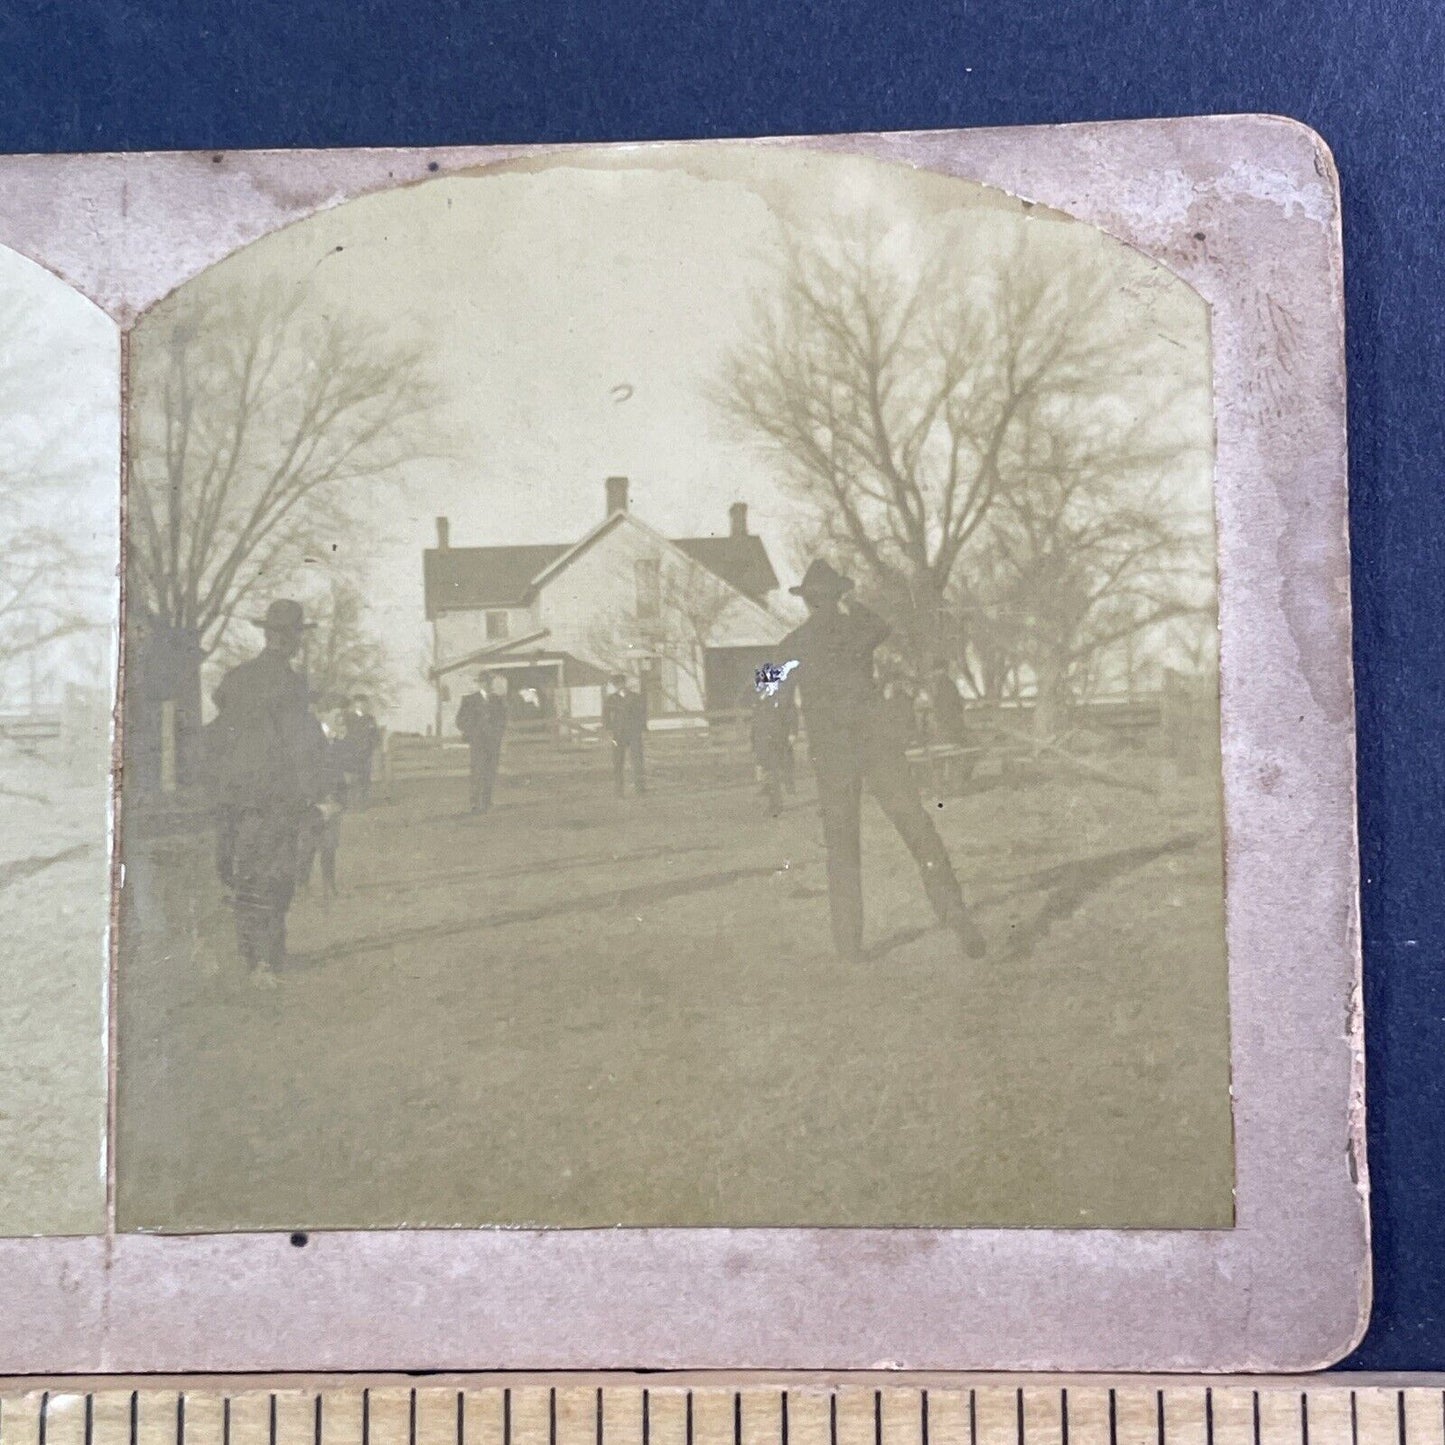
(688, 616)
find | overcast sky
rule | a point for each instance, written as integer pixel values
(541, 289)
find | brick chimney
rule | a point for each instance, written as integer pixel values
(616, 495)
(444, 534)
(738, 519)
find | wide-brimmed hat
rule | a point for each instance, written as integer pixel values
(284, 615)
(821, 580)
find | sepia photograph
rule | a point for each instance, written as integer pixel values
(670, 686)
(59, 553)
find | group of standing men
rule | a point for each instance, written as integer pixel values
(482, 721)
(282, 783)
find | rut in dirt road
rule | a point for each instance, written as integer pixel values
(24, 867)
(640, 896)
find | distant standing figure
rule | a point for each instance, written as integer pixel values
(773, 724)
(266, 759)
(482, 721)
(321, 829)
(361, 736)
(624, 720)
(853, 739)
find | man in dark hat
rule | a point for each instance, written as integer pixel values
(851, 740)
(624, 720)
(482, 721)
(267, 760)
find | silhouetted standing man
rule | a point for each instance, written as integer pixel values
(482, 721)
(772, 726)
(624, 720)
(852, 740)
(269, 769)
(360, 735)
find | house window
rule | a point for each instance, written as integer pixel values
(497, 626)
(649, 589)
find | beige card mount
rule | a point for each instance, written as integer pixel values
(728, 755)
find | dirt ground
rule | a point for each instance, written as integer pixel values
(54, 900)
(582, 1012)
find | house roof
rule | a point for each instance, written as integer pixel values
(467, 579)
(742, 561)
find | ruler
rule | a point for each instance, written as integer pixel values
(712, 1410)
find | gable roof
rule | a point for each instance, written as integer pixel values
(468, 579)
(741, 561)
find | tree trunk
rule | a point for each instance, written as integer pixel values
(1050, 701)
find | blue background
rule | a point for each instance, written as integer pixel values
(1368, 75)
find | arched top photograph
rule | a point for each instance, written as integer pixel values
(677, 628)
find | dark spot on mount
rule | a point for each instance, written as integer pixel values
(300, 1240)
(1199, 235)
(217, 159)
(433, 166)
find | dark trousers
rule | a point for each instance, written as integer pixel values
(320, 838)
(258, 858)
(774, 756)
(358, 783)
(622, 749)
(843, 766)
(486, 758)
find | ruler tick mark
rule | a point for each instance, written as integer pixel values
(552, 1416)
(1064, 1416)
(135, 1418)
(181, 1417)
(783, 1420)
(877, 1418)
(833, 1418)
(272, 1424)
(225, 1421)
(1019, 1413)
(366, 1417)
(1159, 1414)
(599, 1415)
(507, 1416)
(1304, 1418)
(1113, 1419)
(972, 1418)
(44, 1414)
(316, 1420)
(922, 1417)
(647, 1417)
(89, 1418)
(411, 1419)
(1400, 1415)
(461, 1418)
(689, 1417)
(1256, 1417)
(737, 1417)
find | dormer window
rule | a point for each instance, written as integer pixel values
(498, 626)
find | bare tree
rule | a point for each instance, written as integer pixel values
(1088, 549)
(52, 585)
(897, 387)
(260, 422)
(36, 609)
